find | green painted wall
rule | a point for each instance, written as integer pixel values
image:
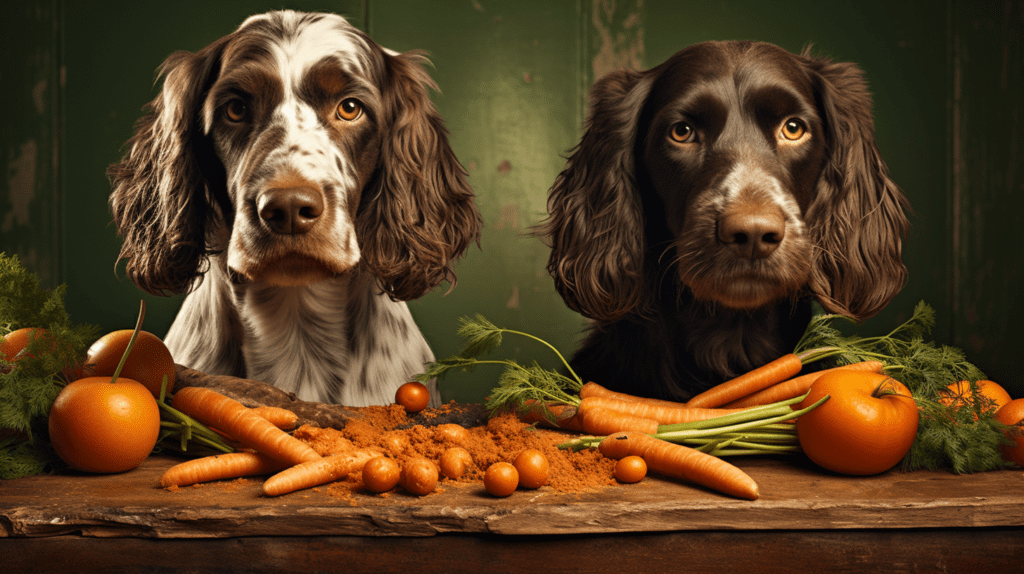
(513, 77)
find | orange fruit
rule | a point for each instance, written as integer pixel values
(533, 468)
(101, 426)
(148, 362)
(630, 469)
(991, 392)
(1012, 413)
(413, 396)
(865, 427)
(16, 341)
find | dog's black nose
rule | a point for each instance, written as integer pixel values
(752, 233)
(290, 210)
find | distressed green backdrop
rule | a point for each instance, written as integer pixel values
(513, 77)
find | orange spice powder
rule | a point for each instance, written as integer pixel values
(501, 439)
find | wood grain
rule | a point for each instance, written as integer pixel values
(794, 496)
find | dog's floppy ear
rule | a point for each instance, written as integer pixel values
(160, 197)
(420, 215)
(857, 218)
(595, 219)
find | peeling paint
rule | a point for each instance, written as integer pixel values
(21, 181)
(38, 96)
(620, 36)
(513, 301)
(509, 218)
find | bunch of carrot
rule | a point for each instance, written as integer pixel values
(265, 447)
(751, 414)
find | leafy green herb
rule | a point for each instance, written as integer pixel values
(518, 385)
(948, 437)
(29, 385)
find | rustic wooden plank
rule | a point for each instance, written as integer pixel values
(794, 496)
(933, 550)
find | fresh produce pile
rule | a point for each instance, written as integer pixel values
(851, 404)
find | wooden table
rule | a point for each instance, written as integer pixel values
(805, 521)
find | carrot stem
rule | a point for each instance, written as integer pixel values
(131, 341)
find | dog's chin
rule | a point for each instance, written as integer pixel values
(740, 293)
(290, 271)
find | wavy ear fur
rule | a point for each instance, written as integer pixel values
(420, 216)
(160, 188)
(595, 219)
(858, 217)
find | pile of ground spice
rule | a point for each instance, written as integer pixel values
(501, 439)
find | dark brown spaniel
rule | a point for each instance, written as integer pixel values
(709, 201)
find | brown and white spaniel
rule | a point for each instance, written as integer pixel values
(709, 201)
(294, 178)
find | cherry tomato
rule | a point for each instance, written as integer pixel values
(413, 396)
(501, 479)
(454, 462)
(451, 433)
(532, 467)
(419, 476)
(381, 474)
(630, 469)
(101, 426)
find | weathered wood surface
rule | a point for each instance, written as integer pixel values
(794, 496)
(256, 393)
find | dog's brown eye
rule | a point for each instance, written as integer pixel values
(350, 109)
(236, 110)
(793, 129)
(682, 133)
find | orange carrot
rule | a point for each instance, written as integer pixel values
(797, 386)
(666, 415)
(680, 461)
(601, 421)
(283, 419)
(230, 416)
(317, 472)
(593, 389)
(760, 378)
(219, 467)
(565, 415)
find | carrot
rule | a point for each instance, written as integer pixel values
(283, 419)
(593, 389)
(760, 378)
(230, 416)
(317, 472)
(680, 461)
(565, 415)
(601, 421)
(666, 415)
(219, 467)
(797, 386)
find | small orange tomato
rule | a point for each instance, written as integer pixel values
(532, 467)
(414, 396)
(451, 433)
(1013, 414)
(16, 341)
(630, 469)
(381, 474)
(101, 426)
(501, 479)
(419, 476)
(148, 363)
(866, 426)
(991, 392)
(454, 462)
